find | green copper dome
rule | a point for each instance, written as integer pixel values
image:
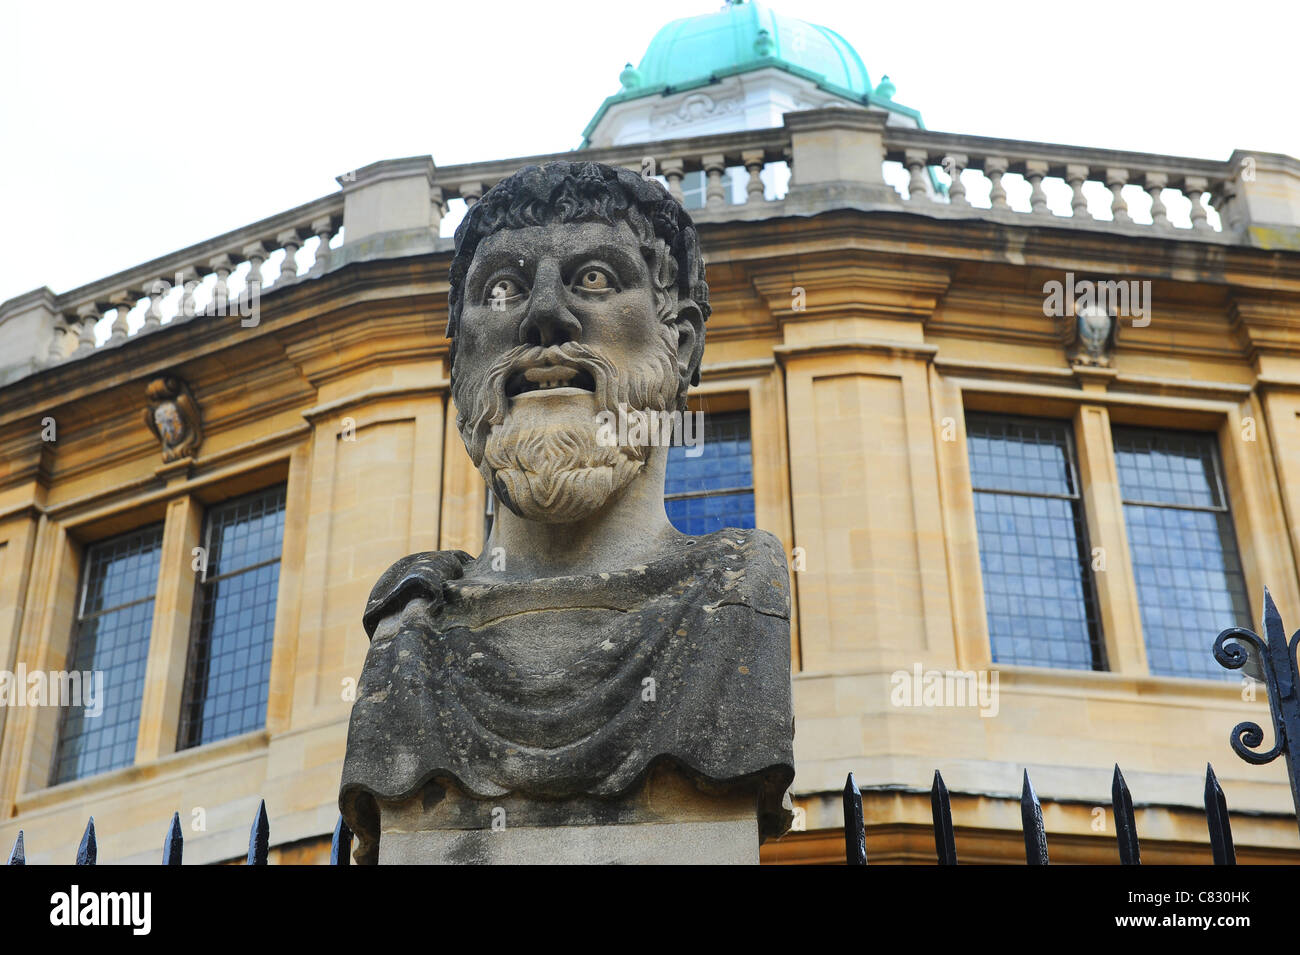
(742, 37)
(747, 36)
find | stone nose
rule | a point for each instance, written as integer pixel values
(548, 320)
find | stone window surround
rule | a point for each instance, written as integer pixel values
(1091, 413)
(181, 510)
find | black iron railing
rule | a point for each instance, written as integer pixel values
(1277, 659)
(259, 842)
(1031, 822)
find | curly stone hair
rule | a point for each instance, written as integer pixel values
(589, 192)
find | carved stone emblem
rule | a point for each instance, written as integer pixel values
(696, 108)
(173, 417)
(1093, 336)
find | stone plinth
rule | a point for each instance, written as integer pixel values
(667, 820)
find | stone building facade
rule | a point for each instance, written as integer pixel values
(199, 483)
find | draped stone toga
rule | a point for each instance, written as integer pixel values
(576, 685)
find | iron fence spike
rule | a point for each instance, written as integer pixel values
(855, 830)
(19, 854)
(341, 847)
(88, 851)
(1216, 820)
(259, 837)
(945, 846)
(1125, 825)
(174, 845)
(1031, 821)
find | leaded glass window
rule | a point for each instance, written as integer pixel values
(1038, 587)
(111, 637)
(714, 489)
(229, 667)
(1189, 578)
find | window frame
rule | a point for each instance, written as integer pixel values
(750, 489)
(1092, 598)
(202, 584)
(1228, 536)
(76, 637)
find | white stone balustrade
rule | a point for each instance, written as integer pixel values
(71, 326)
(671, 160)
(836, 158)
(1079, 168)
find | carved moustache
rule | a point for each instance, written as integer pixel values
(651, 385)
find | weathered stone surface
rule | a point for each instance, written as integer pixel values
(666, 819)
(590, 642)
(579, 684)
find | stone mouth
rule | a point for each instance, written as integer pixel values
(550, 378)
(558, 392)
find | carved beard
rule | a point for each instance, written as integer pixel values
(553, 469)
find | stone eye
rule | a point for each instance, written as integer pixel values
(593, 280)
(502, 291)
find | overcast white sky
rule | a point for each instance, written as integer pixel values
(131, 129)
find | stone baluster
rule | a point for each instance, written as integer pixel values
(1155, 183)
(1036, 171)
(437, 209)
(471, 192)
(123, 302)
(753, 160)
(62, 328)
(673, 170)
(1230, 211)
(157, 291)
(222, 265)
(954, 164)
(1116, 180)
(715, 194)
(1193, 188)
(189, 281)
(256, 253)
(88, 316)
(916, 161)
(323, 229)
(1076, 176)
(995, 167)
(291, 241)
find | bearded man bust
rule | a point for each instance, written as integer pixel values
(595, 679)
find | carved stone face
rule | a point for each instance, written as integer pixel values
(560, 323)
(170, 426)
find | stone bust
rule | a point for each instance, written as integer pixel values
(590, 642)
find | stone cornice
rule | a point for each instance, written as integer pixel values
(370, 395)
(1037, 243)
(387, 169)
(336, 308)
(843, 346)
(1059, 377)
(210, 469)
(1266, 323)
(857, 284)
